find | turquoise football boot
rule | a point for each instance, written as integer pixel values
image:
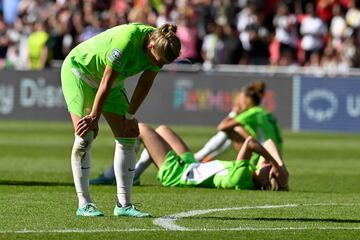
(88, 210)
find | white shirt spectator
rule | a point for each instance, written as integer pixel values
(338, 31)
(286, 29)
(313, 30)
(353, 17)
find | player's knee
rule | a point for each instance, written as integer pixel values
(162, 128)
(83, 144)
(251, 142)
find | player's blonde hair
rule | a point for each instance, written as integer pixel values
(167, 44)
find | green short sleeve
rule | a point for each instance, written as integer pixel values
(154, 68)
(119, 52)
(246, 118)
(239, 176)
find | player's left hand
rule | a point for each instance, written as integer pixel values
(86, 124)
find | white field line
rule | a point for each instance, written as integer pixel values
(240, 229)
(168, 223)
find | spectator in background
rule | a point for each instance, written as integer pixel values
(164, 15)
(203, 11)
(221, 46)
(254, 36)
(92, 28)
(338, 28)
(37, 46)
(213, 46)
(324, 9)
(56, 37)
(187, 33)
(285, 33)
(13, 59)
(232, 45)
(143, 14)
(4, 41)
(257, 22)
(313, 30)
(353, 20)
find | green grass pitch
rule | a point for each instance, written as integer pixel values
(38, 201)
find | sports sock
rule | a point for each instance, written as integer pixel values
(124, 168)
(220, 150)
(212, 145)
(109, 172)
(142, 163)
(80, 165)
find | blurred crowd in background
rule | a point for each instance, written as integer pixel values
(325, 33)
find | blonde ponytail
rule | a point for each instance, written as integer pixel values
(167, 44)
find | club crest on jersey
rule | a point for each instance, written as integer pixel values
(115, 56)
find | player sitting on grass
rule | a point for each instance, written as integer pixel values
(247, 118)
(178, 167)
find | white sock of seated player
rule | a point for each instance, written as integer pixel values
(109, 172)
(143, 163)
(212, 145)
(220, 150)
(80, 165)
(124, 168)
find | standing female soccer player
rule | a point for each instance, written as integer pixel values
(92, 79)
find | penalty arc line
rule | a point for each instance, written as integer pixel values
(169, 222)
(172, 227)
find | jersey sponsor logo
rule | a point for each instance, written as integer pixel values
(115, 56)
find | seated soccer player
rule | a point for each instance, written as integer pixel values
(247, 118)
(178, 167)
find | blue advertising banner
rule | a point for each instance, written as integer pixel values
(331, 104)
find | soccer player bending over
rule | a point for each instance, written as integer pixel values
(92, 77)
(178, 167)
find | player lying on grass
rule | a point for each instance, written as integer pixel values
(178, 167)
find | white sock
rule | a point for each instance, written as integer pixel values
(212, 145)
(143, 163)
(109, 172)
(124, 168)
(80, 165)
(220, 150)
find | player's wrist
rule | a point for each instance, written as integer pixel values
(232, 114)
(94, 116)
(129, 116)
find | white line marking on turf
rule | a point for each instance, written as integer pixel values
(169, 222)
(167, 230)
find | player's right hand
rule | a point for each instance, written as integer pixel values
(86, 124)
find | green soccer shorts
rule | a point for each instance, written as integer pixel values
(79, 96)
(173, 168)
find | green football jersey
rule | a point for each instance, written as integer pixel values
(261, 124)
(236, 175)
(122, 48)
